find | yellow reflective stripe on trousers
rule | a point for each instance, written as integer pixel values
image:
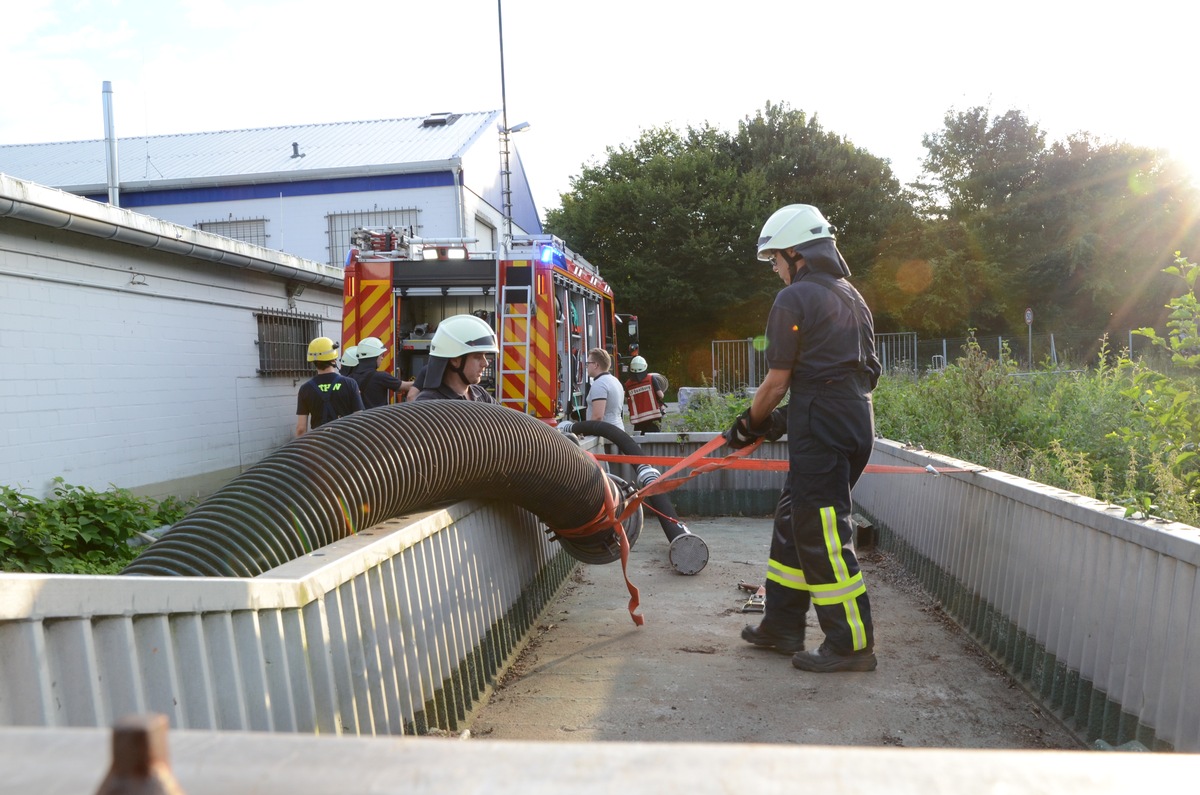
(845, 589)
(786, 575)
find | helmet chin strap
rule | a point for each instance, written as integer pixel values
(793, 260)
(458, 369)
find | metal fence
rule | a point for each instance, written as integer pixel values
(897, 351)
(738, 364)
(741, 364)
(1069, 349)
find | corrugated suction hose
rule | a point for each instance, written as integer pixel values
(375, 465)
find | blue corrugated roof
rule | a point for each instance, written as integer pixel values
(161, 160)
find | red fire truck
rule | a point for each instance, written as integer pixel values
(548, 305)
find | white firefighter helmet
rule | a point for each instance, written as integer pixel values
(457, 335)
(637, 365)
(370, 348)
(350, 356)
(792, 226)
(322, 349)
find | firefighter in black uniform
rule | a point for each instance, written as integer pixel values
(375, 384)
(821, 346)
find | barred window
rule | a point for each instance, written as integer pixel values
(342, 224)
(247, 230)
(283, 339)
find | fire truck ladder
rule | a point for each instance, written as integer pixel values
(515, 344)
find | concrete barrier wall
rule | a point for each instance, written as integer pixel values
(1097, 615)
(395, 630)
(401, 628)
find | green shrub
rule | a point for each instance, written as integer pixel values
(77, 530)
(707, 412)
(1123, 434)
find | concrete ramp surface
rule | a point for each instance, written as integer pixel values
(588, 673)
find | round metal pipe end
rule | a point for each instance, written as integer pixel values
(688, 554)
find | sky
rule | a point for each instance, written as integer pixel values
(588, 75)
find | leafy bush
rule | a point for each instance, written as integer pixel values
(1120, 433)
(77, 530)
(707, 412)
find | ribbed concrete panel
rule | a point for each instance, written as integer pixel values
(116, 659)
(1098, 615)
(157, 666)
(396, 630)
(75, 681)
(25, 685)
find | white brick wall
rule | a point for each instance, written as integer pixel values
(132, 366)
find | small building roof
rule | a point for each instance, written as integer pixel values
(302, 151)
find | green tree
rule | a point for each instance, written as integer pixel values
(1078, 228)
(1112, 216)
(667, 220)
(672, 220)
(977, 175)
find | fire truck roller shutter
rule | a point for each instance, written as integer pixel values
(375, 465)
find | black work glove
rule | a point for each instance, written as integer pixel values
(740, 434)
(776, 424)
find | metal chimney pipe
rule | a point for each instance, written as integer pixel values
(110, 146)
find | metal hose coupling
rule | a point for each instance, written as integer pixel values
(646, 475)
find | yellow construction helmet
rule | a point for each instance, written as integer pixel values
(322, 349)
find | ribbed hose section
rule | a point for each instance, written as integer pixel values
(375, 465)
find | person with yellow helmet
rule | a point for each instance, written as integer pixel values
(328, 395)
(821, 349)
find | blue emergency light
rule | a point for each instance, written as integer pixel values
(551, 255)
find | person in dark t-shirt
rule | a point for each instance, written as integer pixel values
(328, 395)
(375, 384)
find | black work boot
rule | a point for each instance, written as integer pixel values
(826, 660)
(784, 643)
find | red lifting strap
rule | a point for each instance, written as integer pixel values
(699, 465)
(606, 517)
(768, 464)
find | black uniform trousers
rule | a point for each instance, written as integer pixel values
(830, 436)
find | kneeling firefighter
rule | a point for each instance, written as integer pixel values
(821, 346)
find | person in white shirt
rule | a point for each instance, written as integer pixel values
(606, 396)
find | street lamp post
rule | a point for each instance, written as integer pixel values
(505, 138)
